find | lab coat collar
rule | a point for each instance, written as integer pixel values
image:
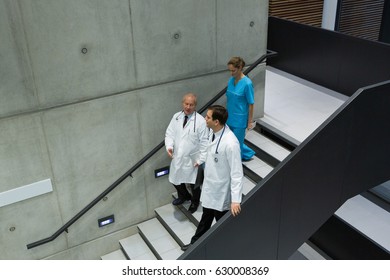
(217, 134)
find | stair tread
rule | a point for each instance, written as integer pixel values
(267, 145)
(135, 247)
(146, 256)
(368, 218)
(177, 222)
(171, 214)
(116, 255)
(160, 239)
(258, 166)
(197, 214)
(310, 253)
(248, 185)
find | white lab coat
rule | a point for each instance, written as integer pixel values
(223, 178)
(187, 144)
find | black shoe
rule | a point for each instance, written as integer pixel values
(178, 201)
(185, 247)
(193, 207)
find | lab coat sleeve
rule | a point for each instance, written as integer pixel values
(236, 173)
(170, 134)
(203, 142)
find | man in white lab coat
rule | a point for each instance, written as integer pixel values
(186, 139)
(223, 174)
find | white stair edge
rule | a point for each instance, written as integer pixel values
(368, 218)
(178, 223)
(197, 214)
(136, 248)
(310, 253)
(248, 185)
(159, 238)
(116, 255)
(267, 145)
(259, 167)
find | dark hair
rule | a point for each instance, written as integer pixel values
(219, 113)
(237, 62)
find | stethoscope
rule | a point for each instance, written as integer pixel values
(219, 140)
(182, 112)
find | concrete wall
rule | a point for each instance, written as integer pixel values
(87, 89)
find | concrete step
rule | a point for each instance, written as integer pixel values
(177, 224)
(267, 145)
(258, 166)
(192, 217)
(248, 185)
(162, 244)
(307, 252)
(135, 248)
(116, 255)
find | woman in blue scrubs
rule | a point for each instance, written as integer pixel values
(240, 100)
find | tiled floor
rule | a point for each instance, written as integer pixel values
(297, 107)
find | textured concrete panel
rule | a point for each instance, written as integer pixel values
(57, 32)
(91, 145)
(29, 221)
(173, 39)
(23, 155)
(242, 29)
(16, 79)
(24, 160)
(127, 203)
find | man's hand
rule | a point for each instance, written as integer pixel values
(170, 152)
(235, 208)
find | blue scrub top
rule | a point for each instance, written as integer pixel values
(239, 97)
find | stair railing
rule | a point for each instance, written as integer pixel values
(65, 227)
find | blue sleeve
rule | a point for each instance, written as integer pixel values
(249, 92)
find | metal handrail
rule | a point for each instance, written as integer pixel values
(65, 227)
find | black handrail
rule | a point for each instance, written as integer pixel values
(137, 165)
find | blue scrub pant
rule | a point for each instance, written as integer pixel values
(246, 152)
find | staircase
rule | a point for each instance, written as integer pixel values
(273, 138)
(161, 237)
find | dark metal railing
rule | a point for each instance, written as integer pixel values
(65, 227)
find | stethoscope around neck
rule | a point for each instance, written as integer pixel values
(182, 112)
(219, 141)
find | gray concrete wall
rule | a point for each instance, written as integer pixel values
(83, 119)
